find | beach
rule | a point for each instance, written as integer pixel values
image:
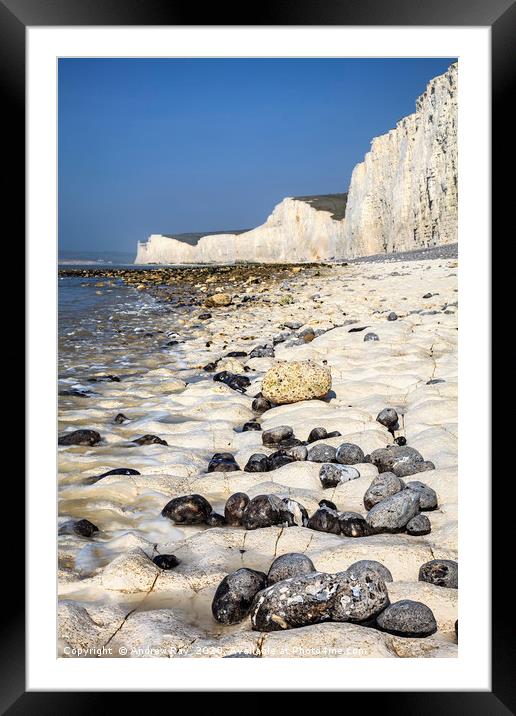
(138, 353)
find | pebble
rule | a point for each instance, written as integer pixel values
(441, 572)
(427, 495)
(389, 418)
(370, 564)
(223, 462)
(188, 509)
(265, 511)
(218, 299)
(84, 528)
(407, 618)
(297, 513)
(434, 381)
(276, 435)
(354, 526)
(359, 597)
(235, 594)
(325, 520)
(370, 337)
(257, 463)
(120, 418)
(333, 475)
(262, 352)
(322, 453)
(349, 454)
(118, 471)
(297, 453)
(393, 513)
(328, 503)
(317, 434)
(296, 602)
(80, 437)
(166, 561)
(400, 440)
(215, 520)
(278, 459)
(149, 440)
(382, 486)
(418, 526)
(104, 379)
(292, 564)
(234, 508)
(392, 316)
(293, 381)
(232, 380)
(402, 460)
(251, 425)
(260, 404)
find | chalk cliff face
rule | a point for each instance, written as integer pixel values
(404, 194)
(296, 231)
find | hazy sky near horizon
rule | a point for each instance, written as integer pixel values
(178, 145)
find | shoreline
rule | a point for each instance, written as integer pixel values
(111, 591)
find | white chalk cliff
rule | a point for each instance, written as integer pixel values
(402, 196)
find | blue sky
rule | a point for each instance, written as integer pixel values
(177, 145)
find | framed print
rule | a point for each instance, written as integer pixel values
(254, 406)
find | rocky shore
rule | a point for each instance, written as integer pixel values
(264, 465)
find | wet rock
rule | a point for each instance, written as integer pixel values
(223, 462)
(354, 527)
(257, 463)
(389, 418)
(419, 525)
(218, 299)
(359, 597)
(166, 561)
(80, 437)
(210, 367)
(364, 565)
(188, 509)
(235, 594)
(232, 380)
(293, 381)
(441, 572)
(333, 475)
(251, 425)
(234, 508)
(278, 459)
(392, 316)
(118, 471)
(298, 516)
(328, 503)
(427, 496)
(383, 485)
(265, 511)
(260, 404)
(296, 602)
(262, 352)
(84, 528)
(393, 513)
(349, 454)
(104, 379)
(325, 520)
(215, 520)
(322, 453)
(297, 453)
(370, 337)
(120, 418)
(317, 434)
(407, 618)
(402, 460)
(276, 435)
(150, 440)
(75, 393)
(292, 564)
(400, 440)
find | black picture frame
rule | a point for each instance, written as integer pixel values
(500, 15)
